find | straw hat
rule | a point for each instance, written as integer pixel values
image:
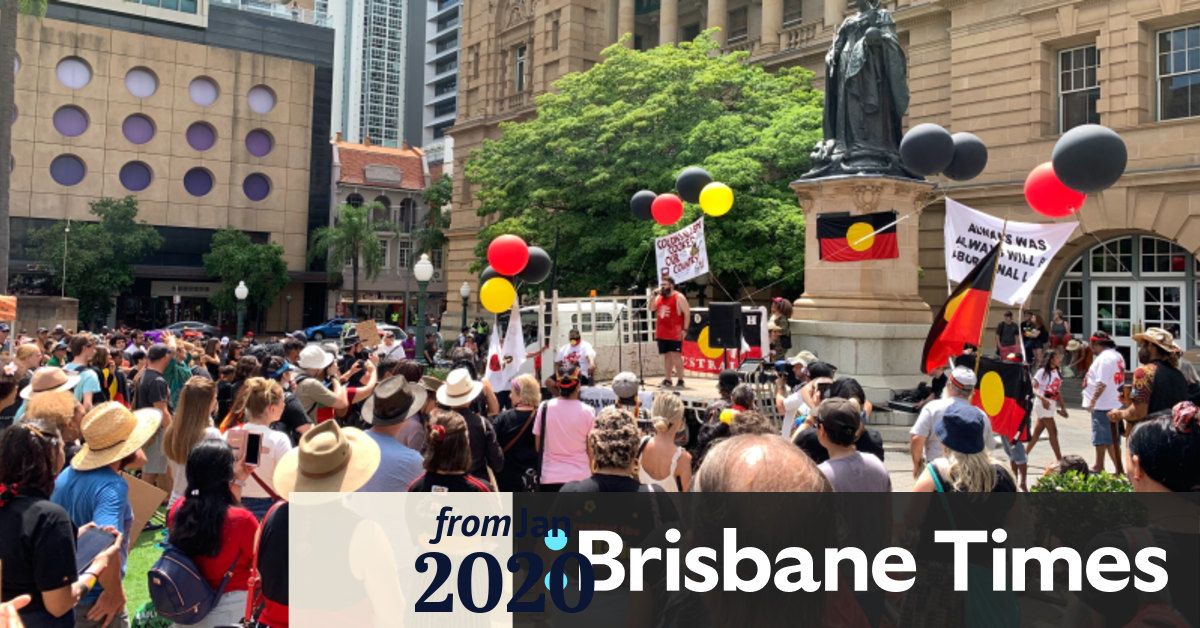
(1160, 338)
(112, 432)
(329, 459)
(394, 400)
(1074, 345)
(49, 379)
(459, 389)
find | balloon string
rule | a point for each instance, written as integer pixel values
(1103, 245)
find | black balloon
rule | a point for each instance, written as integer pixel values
(970, 157)
(690, 182)
(640, 204)
(927, 149)
(1089, 158)
(538, 268)
(488, 273)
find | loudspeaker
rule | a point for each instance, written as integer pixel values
(725, 325)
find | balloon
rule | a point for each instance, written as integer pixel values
(1048, 196)
(716, 199)
(691, 182)
(927, 149)
(508, 254)
(1089, 158)
(488, 273)
(640, 204)
(970, 157)
(539, 266)
(497, 295)
(667, 209)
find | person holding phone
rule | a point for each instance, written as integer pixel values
(38, 554)
(260, 446)
(193, 423)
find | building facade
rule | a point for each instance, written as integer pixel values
(444, 19)
(1017, 74)
(395, 178)
(215, 119)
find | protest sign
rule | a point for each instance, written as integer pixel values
(682, 255)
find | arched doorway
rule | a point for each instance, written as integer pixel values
(1125, 284)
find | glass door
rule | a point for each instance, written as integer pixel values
(1162, 306)
(1114, 313)
(1126, 308)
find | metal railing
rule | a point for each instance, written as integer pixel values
(279, 10)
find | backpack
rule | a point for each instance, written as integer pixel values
(177, 589)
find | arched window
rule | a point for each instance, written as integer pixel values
(383, 214)
(354, 200)
(408, 215)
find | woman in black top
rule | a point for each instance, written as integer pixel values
(39, 549)
(613, 449)
(211, 359)
(447, 458)
(514, 432)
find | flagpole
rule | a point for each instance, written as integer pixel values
(983, 324)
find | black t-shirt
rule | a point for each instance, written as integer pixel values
(870, 442)
(38, 554)
(152, 389)
(1008, 333)
(604, 483)
(293, 418)
(938, 385)
(448, 483)
(272, 560)
(511, 428)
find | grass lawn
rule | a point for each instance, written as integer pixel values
(142, 556)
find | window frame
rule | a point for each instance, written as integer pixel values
(1059, 76)
(1159, 76)
(520, 58)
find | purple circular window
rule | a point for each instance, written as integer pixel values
(259, 143)
(141, 82)
(262, 99)
(198, 182)
(73, 72)
(256, 187)
(138, 129)
(135, 176)
(203, 91)
(71, 121)
(201, 136)
(67, 170)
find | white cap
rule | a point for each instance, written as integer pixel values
(963, 378)
(225, 341)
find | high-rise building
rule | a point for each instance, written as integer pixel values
(442, 60)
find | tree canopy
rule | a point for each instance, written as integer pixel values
(233, 258)
(100, 255)
(632, 123)
(353, 239)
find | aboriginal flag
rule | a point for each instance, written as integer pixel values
(845, 238)
(1005, 394)
(961, 319)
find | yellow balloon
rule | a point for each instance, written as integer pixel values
(497, 295)
(716, 199)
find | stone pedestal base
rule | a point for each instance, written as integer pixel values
(42, 311)
(883, 357)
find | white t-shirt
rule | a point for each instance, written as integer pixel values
(791, 408)
(1109, 369)
(394, 352)
(179, 471)
(580, 354)
(1046, 385)
(274, 445)
(931, 413)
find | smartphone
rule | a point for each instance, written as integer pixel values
(823, 388)
(253, 447)
(90, 545)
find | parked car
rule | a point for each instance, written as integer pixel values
(203, 328)
(329, 329)
(399, 333)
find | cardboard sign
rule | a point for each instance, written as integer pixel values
(8, 308)
(367, 333)
(145, 500)
(682, 255)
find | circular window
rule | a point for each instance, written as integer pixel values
(70, 120)
(73, 72)
(259, 143)
(203, 91)
(138, 129)
(141, 82)
(201, 136)
(67, 170)
(262, 99)
(135, 176)
(256, 187)
(198, 181)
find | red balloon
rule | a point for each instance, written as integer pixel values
(1048, 196)
(508, 254)
(667, 209)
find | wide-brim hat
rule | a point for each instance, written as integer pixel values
(329, 459)
(1074, 345)
(111, 432)
(394, 400)
(431, 384)
(1158, 337)
(459, 389)
(49, 379)
(314, 357)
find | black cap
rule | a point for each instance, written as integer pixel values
(821, 369)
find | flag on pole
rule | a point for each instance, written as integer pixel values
(961, 319)
(845, 238)
(1005, 394)
(505, 359)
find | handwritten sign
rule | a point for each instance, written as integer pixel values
(8, 308)
(683, 254)
(367, 333)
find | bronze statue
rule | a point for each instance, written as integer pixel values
(866, 95)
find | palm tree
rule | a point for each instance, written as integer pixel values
(9, 9)
(353, 238)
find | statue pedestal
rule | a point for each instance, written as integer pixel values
(867, 318)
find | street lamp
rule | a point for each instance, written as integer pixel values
(465, 292)
(66, 240)
(287, 315)
(241, 292)
(423, 271)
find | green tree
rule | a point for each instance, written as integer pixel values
(100, 255)
(8, 53)
(432, 233)
(633, 122)
(235, 258)
(352, 239)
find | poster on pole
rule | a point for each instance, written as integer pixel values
(1028, 248)
(682, 255)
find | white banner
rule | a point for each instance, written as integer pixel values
(1028, 247)
(682, 255)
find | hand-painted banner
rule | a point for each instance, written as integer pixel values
(1028, 247)
(699, 356)
(683, 254)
